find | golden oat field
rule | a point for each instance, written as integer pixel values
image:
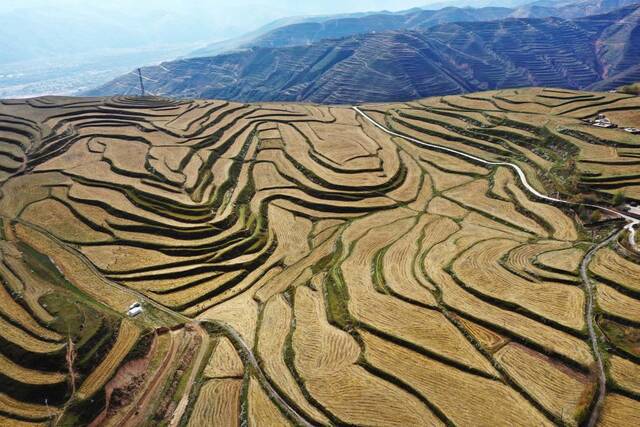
(298, 264)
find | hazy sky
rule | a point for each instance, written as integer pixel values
(272, 7)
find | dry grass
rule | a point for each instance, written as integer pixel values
(262, 411)
(620, 411)
(326, 359)
(611, 266)
(127, 337)
(224, 362)
(565, 260)
(276, 316)
(625, 373)
(464, 398)
(474, 196)
(617, 303)
(29, 376)
(555, 386)
(480, 269)
(218, 404)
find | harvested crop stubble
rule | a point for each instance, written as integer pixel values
(486, 337)
(401, 128)
(619, 411)
(398, 263)
(276, 316)
(262, 411)
(625, 373)
(464, 398)
(29, 376)
(480, 269)
(224, 361)
(297, 147)
(412, 183)
(442, 254)
(26, 341)
(565, 260)
(292, 232)
(563, 392)
(25, 410)
(450, 163)
(521, 260)
(241, 313)
(609, 265)
(60, 222)
(266, 176)
(326, 359)
(474, 196)
(74, 269)
(127, 337)
(420, 326)
(218, 404)
(444, 207)
(10, 422)
(563, 227)
(443, 180)
(183, 298)
(17, 314)
(617, 303)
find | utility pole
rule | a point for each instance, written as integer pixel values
(141, 84)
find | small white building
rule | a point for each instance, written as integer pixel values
(134, 309)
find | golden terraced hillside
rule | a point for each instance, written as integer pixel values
(301, 265)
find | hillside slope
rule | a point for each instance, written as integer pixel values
(309, 30)
(301, 265)
(446, 59)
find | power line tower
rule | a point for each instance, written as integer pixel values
(141, 83)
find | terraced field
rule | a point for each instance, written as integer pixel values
(308, 265)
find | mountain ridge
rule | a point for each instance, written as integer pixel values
(400, 65)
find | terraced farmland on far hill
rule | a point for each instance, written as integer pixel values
(318, 265)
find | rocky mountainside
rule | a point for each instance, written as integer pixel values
(600, 51)
(309, 30)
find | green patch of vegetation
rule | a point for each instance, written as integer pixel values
(624, 337)
(618, 198)
(42, 266)
(632, 89)
(565, 176)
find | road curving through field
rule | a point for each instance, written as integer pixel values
(602, 378)
(238, 341)
(632, 223)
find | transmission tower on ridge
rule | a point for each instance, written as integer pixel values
(141, 83)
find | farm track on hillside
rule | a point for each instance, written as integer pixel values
(340, 254)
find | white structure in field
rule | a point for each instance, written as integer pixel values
(134, 309)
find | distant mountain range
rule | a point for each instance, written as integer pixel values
(412, 55)
(304, 31)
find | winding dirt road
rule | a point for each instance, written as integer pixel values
(602, 378)
(632, 223)
(238, 341)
